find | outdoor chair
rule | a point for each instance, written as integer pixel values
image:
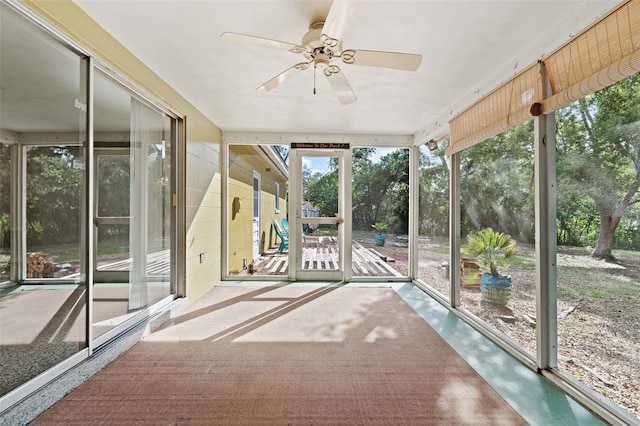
(285, 224)
(282, 234)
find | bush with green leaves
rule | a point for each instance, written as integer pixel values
(491, 249)
(380, 227)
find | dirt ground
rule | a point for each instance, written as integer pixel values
(598, 315)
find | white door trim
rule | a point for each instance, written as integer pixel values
(256, 208)
(344, 271)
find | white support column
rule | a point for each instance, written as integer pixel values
(224, 219)
(178, 203)
(346, 212)
(454, 231)
(88, 228)
(414, 210)
(22, 211)
(295, 207)
(18, 228)
(545, 218)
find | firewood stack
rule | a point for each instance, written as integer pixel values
(38, 266)
(35, 264)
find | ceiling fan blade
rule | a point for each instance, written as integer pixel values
(377, 58)
(261, 41)
(340, 85)
(338, 20)
(285, 75)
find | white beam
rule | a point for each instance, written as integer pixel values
(454, 231)
(286, 138)
(414, 210)
(436, 132)
(8, 137)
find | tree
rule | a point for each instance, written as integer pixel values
(5, 196)
(496, 187)
(395, 166)
(606, 166)
(306, 175)
(113, 185)
(380, 189)
(434, 193)
(54, 190)
(322, 191)
(367, 195)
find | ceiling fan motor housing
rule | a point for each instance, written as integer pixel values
(312, 41)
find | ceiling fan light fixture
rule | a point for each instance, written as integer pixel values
(322, 61)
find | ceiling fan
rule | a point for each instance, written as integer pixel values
(322, 45)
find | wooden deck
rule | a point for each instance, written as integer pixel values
(318, 253)
(321, 253)
(370, 263)
(158, 263)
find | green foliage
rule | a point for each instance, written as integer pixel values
(496, 188)
(598, 175)
(114, 243)
(113, 185)
(5, 230)
(380, 189)
(380, 227)
(434, 193)
(5, 195)
(369, 188)
(4, 262)
(54, 193)
(627, 235)
(598, 159)
(491, 249)
(395, 171)
(322, 192)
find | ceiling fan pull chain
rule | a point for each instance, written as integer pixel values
(314, 79)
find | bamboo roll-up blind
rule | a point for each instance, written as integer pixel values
(606, 53)
(502, 109)
(601, 56)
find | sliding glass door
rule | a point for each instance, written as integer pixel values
(43, 210)
(133, 205)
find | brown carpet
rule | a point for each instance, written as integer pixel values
(289, 355)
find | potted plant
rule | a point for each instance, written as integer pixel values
(492, 249)
(380, 228)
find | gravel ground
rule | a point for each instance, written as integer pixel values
(598, 326)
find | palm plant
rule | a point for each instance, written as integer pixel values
(380, 227)
(491, 249)
(379, 237)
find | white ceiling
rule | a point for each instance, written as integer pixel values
(468, 49)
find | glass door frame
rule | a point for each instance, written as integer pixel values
(343, 219)
(100, 275)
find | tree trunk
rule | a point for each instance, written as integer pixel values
(608, 225)
(609, 221)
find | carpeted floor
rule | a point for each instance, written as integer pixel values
(286, 356)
